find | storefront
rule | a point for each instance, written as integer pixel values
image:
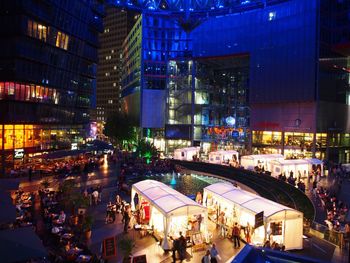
(268, 220)
(170, 212)
(19, 142)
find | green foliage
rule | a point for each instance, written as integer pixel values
(126, 245)
(120, 128)
(146, 149)
(72, 197)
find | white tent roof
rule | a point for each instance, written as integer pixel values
(224, 152)
(263, 156)
(313, 161)
(291, 162)
(187, 149)
(166, 199)
(247, 200)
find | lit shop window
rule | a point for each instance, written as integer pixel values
(37, 30)
(62, 40)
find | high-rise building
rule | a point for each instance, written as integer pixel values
(271, 80)
(117, 24)
(48, 57)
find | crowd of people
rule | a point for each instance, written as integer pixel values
(76, 165)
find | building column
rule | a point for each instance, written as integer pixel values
(3, 151)
(327, 145)
(313, 146)
(193, 83)
(282, 142)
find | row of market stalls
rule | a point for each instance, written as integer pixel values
(274, 163)
(171, 212)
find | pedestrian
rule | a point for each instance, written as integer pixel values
(214, 254)
(222, 223)
(176, 247)
(30, 173)
(99, 190)
(236, 235)
(126, 219)
(206, 257)
(95, 197)
(247, 232)
(182, 246)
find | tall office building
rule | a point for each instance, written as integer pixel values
(48, 57)
(271, 80)
(117, 24)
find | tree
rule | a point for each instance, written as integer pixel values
(146, 149)
(119, 128)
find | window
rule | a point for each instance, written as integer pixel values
(37, 30)
(62, 40)
(110, 101)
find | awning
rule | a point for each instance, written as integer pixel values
(20, 244)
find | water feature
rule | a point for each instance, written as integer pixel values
(173, 180)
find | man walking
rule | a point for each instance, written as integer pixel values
(236, 236)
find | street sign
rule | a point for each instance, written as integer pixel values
(109, 247)
(259, 219)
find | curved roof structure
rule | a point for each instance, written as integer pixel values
(246, 200)
(167, 200)
(202, 7)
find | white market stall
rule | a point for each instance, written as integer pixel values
(249, 162)
(315, 164)
(281, 224)
(186, 154)
(299, 167)
(220, 157)
(170, 211)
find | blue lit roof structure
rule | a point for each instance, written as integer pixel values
(194, 7)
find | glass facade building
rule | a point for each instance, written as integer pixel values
(48, 58)
(278, 75)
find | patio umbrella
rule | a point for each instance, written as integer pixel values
(20, 244)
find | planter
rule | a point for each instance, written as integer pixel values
(88, 234)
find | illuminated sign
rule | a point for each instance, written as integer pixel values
(230, 121)
(19, 154)
(74, 146)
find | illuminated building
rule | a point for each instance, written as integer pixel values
(117, 24)
(290, 66)
(47, 75)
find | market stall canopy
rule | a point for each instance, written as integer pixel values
(20, 244)
(263, 156)
(248, 201)
(167, 200)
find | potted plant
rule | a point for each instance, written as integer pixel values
(87, 226)
(126, 245)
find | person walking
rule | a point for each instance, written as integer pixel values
(126, 219)
(182, 246)
(222, 223)
(236, 235)
(206, 257)
(214, 254)
(248, 233)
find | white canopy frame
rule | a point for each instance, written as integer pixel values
(221, 156)
(169, 202)
(315, 161)
(249, 162)
(186, 153)
(254, 204)
(285, 166)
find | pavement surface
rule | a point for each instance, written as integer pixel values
(107, 175)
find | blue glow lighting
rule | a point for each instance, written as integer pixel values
(197, 7)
